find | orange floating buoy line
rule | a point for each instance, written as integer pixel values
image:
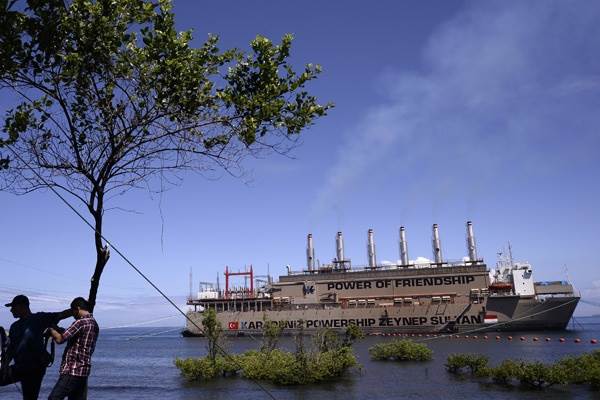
(484, 337)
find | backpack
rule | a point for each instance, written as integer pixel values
(3, 354)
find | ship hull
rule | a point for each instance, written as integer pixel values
(511, 313)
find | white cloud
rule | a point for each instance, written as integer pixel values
(497, 82)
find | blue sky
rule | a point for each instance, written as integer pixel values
(445, 112)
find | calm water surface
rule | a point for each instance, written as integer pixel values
(138, 364)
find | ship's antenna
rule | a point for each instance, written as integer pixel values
(510, 256)
(191, 283)
(567, 272)
(268, 274)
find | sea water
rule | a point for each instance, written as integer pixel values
(137, 363)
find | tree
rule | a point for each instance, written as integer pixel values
(271, 334)
(213, 331)
(111, 97)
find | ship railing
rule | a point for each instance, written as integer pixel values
(390, 266)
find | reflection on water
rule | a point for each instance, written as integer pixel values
(127, 366)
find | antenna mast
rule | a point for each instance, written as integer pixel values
(191, 296)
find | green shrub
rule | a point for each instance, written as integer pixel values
(327, 339)
(271, 334)
(539, 375)
(401, 350)
(331, 364)
(583, 369)
(284, 368)
(475, 363)
(576, 368)
(353, 333)
(593, 376)
(198, 369)
(276, 366)
(505, 372)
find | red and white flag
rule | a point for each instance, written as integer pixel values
(490, 319)
(233, 325)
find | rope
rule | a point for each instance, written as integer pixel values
(130, 263)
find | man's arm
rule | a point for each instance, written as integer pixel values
(49, 319)
(58, 338)
(65, 314)
(66, 335)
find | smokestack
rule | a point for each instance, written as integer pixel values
(371, 250)
(310, 253)
(437, 247)
(403, 247)
(471, 242)
(339, 247)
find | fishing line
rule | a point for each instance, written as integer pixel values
(136, 269)
(141, 323)
(153, 334)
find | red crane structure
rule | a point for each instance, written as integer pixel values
(246, 292)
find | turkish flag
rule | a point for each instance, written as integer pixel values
(234, 325)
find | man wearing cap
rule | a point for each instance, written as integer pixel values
(26, 346)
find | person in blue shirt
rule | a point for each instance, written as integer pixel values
(27, 347)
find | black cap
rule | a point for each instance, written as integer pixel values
(19, 299)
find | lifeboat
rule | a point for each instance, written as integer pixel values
(500, 286)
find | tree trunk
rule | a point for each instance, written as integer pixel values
(102, 254)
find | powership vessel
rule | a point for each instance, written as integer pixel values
(436, 296)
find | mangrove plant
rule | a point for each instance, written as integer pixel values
(573, 370)
(401, 350)
(330, 357)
